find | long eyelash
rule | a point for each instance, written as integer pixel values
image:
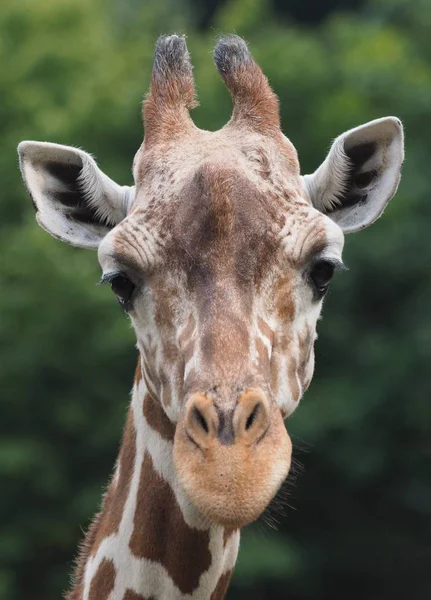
(108, 277)
(337, 264)
(340, 266)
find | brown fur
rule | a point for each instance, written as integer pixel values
(157, 517)
(103, 582)
(221, 587)
(285, 305)
(255, 104)
(151, 373)
(172, 93)
(265, 329)
(157, 419)
(131, 595)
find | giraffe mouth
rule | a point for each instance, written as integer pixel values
(231, 464)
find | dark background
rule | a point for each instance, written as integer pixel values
(74, 72)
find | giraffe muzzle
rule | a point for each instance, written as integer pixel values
(231, 460)
(248, 422)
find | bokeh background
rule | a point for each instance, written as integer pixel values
(74, 72)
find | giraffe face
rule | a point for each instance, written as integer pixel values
(227, 264)
(221, 254)
(227, 270)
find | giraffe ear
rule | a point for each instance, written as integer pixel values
(74, 200)
(360, 174)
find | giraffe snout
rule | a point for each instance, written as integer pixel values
(247, 423)
(231, 456)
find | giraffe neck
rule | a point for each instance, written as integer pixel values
(148, 542)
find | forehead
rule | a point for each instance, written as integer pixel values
(221, 198)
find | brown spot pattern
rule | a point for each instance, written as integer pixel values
(221, 587)
(103, 582)
(157, 418)
(131, 595)
(160, 533)
(265, 329)
(107, 521)
(285, 304)
(116, 496)
(151, 374)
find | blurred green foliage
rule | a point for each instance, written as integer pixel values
(74, 72)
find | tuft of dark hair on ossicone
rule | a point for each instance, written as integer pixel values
(230, 52)
(171, 57)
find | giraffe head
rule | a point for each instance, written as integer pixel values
(221, 254)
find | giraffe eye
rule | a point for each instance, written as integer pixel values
(123, 288)
(321, 274)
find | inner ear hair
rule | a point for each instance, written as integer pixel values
(70, 192)
(74, 200)
(361, 171)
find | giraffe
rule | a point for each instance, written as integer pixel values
(221, 254)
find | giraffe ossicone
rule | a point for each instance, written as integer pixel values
(221, 253)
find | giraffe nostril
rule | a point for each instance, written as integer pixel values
(252, 416)
(247, 423)
(200, 419)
